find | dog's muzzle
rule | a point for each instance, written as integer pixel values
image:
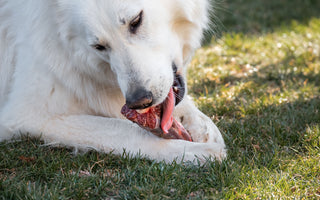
(142, 98)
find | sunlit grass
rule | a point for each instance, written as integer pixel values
(275, 68)
(263, 91)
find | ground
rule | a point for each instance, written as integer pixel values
(259, 81)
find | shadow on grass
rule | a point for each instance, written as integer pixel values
(271, 129)
(260, 16)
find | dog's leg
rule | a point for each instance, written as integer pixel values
(200, 126)
(117, 135)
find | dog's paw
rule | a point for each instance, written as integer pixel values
(202, 129)
(193, 152)
(203, 152)
(5, 134)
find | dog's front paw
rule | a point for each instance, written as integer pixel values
(193, 152)
(202, 129)
(205, 151)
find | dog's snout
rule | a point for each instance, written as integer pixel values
(139, 99)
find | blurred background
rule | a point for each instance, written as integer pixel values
(261, 16)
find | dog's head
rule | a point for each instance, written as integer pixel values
(146, 43)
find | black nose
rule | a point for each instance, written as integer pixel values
(139, 99)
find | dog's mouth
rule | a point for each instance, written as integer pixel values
(174, 97)
(178, 88)
(159, 119)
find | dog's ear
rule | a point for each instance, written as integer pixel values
(193, 11)
(189, 22)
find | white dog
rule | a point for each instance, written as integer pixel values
(68, 66)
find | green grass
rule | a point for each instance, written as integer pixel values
(259, 82)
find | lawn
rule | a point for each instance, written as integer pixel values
(259, 81)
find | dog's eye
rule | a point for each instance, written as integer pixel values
(99, 47)
(136, 23)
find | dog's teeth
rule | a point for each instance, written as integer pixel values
(175, 89)
(142, 111)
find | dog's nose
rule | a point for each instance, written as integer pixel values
(139, 99)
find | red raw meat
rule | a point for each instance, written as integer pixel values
(158, 120)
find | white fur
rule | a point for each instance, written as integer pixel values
(54, 84)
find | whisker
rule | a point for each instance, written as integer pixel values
(177, 96)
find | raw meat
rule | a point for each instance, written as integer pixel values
(158, 120)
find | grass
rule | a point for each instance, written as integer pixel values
(259, 82)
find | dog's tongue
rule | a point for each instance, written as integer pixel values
(168, 106)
